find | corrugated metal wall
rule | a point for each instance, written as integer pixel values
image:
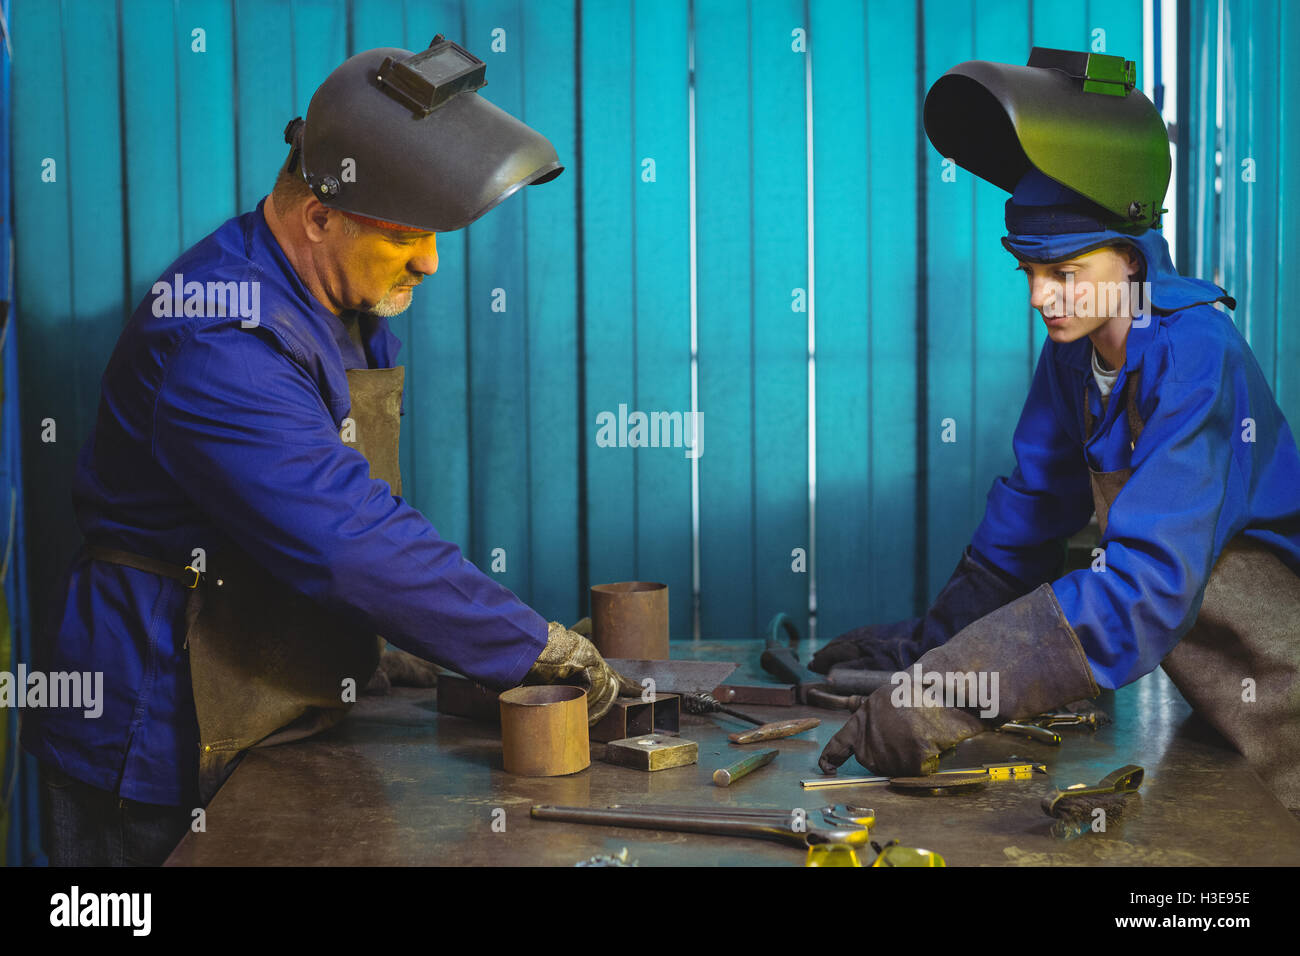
(750, 206)
(748, 188)
(19, 799)
(1240, 106)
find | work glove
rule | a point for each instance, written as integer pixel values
(975, 589)
(1039, 664)
(569, 658)
(398, 668)
(404, 669)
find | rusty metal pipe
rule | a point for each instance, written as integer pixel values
(630, 619)
(544, 730)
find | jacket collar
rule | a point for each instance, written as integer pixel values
(380, 341)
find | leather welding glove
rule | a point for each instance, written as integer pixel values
(1039, 664)
(975, 589)
(404, 669)
(569, 658)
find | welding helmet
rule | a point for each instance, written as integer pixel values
(1077, 118)
(405, 139)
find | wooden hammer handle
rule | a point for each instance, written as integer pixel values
(775, 731)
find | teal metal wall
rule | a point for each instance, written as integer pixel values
(1241, 203)
(794, 202)
(19, 799)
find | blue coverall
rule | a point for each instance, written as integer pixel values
(209, 431)
(1202, 473)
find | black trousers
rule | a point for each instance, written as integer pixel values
(86, 826)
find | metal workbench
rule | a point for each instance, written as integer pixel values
(399, 784)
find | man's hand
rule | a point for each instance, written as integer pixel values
(569, 658)
(406, 670)
(898, 741)
(975, 589)
(1025, 654)
(876, 647)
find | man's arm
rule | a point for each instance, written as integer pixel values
(1164, 530)
(243, 430)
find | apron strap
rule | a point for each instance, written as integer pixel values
(1130, 407)
(188, 574)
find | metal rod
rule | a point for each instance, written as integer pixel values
(703, 823)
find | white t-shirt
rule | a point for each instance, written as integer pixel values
(1106, 378)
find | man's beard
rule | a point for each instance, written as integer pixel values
(397, 301)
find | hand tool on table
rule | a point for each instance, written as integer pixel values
(781, 661)
(1091, 719)
(1081, 810)
(1034, 732)
(654, 818)
(847, 679)
(1009, 770)
(940, 786)
(776, 730)
(708, 704)
(765, 695)
(829, 700)
(1127, 779)
(726, 776)
(839, 815)
(1039, 728)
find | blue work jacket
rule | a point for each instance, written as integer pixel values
(1215, 459)
(212, 429)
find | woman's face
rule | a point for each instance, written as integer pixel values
(1079, 295)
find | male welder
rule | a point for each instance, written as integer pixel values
(1150, 411)
(245, 536)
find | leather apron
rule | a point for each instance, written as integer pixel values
(269, 665)
(1248, 627)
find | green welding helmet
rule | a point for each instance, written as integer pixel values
(405, 138)
(1075, 117)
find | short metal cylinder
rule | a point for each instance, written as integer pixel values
(544, 730)
(629, 619)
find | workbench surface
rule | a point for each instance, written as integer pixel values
(397, 783)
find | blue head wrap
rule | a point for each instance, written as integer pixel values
(1048, 222)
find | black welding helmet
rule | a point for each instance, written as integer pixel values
(1075, 117)
(405, 139)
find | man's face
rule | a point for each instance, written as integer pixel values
(1079, 295)
(375, 270)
